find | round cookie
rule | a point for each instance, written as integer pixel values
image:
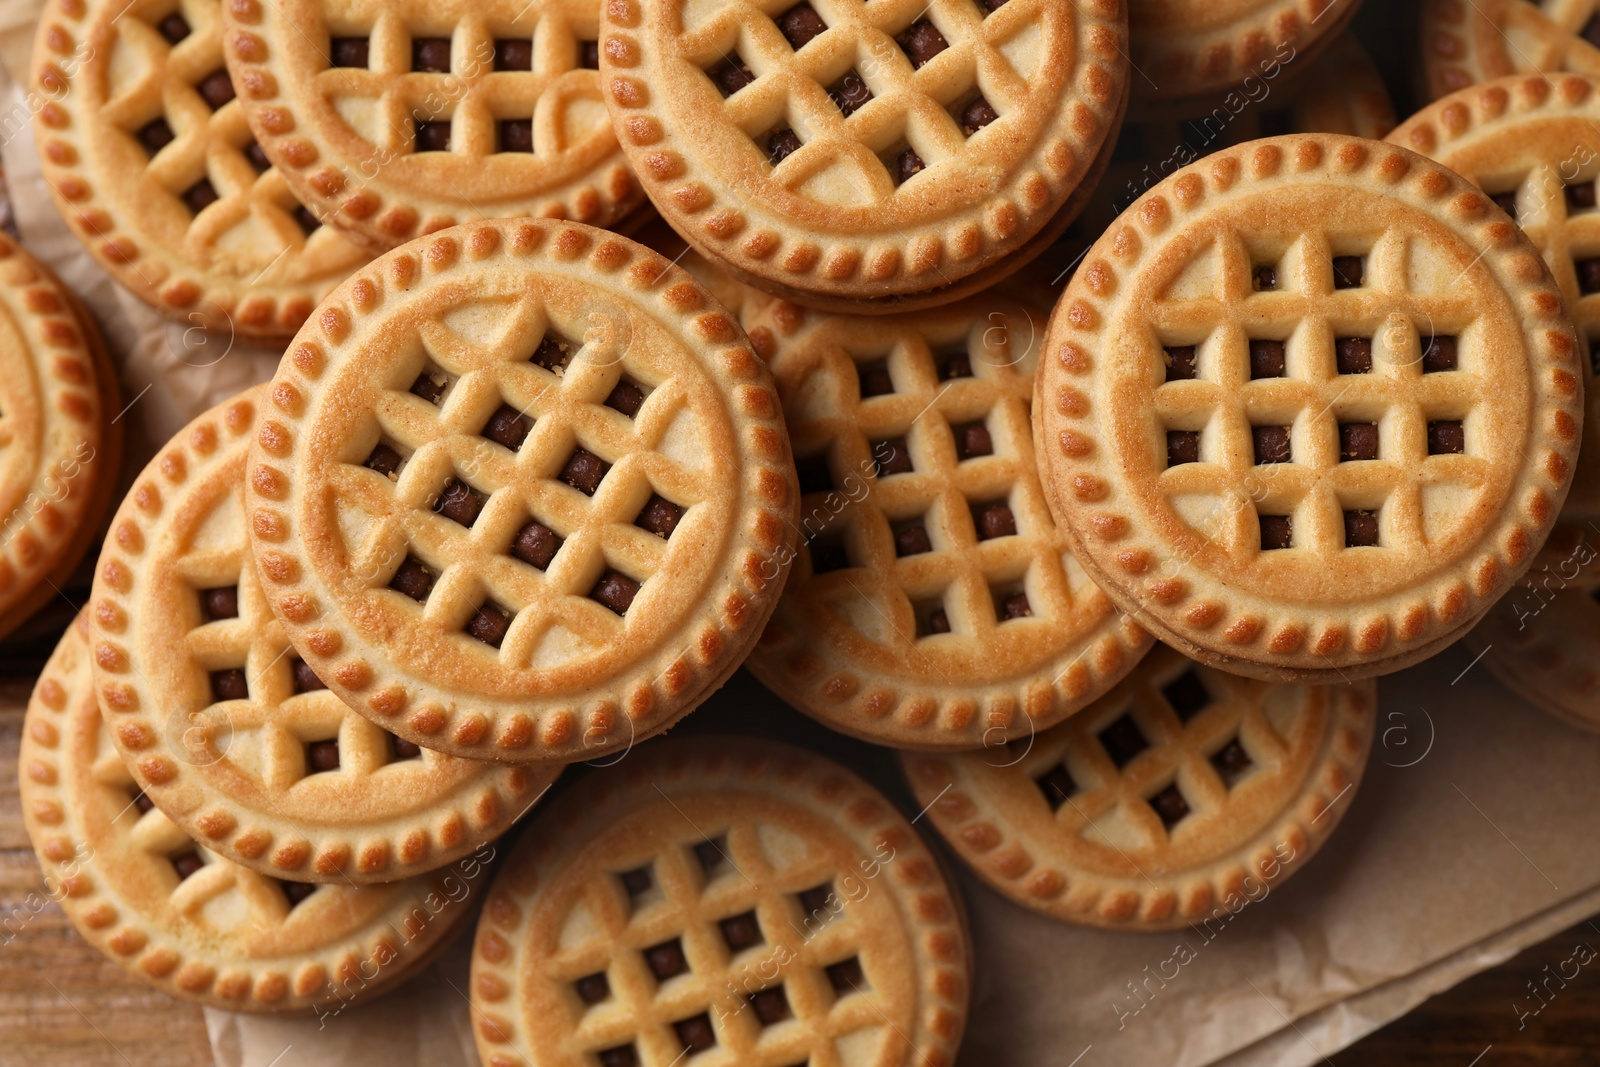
(232, 734)
(733, 897)
(1186, 52)
(1465, 42)
(176, 915)
(865, 157)
(1542, 640)
(936, 603)
(1523, 140)
(59, 446)
(523, 493)
(1309, 408)
(393, 120)
(148, 156)
(1174, 801)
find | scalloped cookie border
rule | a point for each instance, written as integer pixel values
(757, 244)
(1017, 867)
(375, 212)
(475, 812)
(160, 957)
(935, 918)
(1080, 472)
(652, 694)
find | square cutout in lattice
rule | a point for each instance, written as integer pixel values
(779, 143)
(507, 427)
(322, 757)
(771, 1005)
(432, 384)
(401, 750)
(696, 1034)
(1358, 441)
(1187, 695)
(1507, 202)
(1268, 359)
(1183, 446)
(513, 53)
(847, 977)
(903, 162)
(972, 113)
(1264, 277)
(296, 893)
(921, 42)
(627, 397)
(828, 553)
(1440, 354)
(1349, 272)
(1353, 355)
(911, 537)
(815, 902)
(1123, 740)
(187, 864)
(973, 440)
(229, 684)
(993, 519)
(952, 362)
(1057, 786)
(620, 1056)
(1580, 197)
(639, 886)
(850, 93)
(553, 353)
(1183, 362)
(513, 135)
(1232, 762)
(489, 624)
(592, 988)
(932, 618)
(460, 502)
(1361, 528)
(588, 55)
(731, 74)
(1277, 532)
(1271, 444)
(414, 579)
(1010, 602)
(666, 960)
(712, 855)
(584, 470)
(615, 590)
(1170, 805)
(349, 52)
(216, 89)
(221, 602)
(1588, 270)
(173, 27)
(659, 516)
(431, 135)
(874, 378)
(1446, 437)
(199, 196)
(386, 459)
(430, 55)
(536, 544)
(741, 931)
(892, 456)
(800, 25)
(815, 474)
(155, 135)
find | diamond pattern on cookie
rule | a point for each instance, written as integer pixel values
(753, 921)
(552, 498)
(175, 913)
(1147, 809)
(228, 728)
(147, 151)
(936, 602)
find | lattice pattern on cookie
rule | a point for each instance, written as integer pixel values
(720, 909)
(1150, 808)
(230, 728)
(1544, 176)
(1317, 376)
(738, 901)
(850, 100)
(174, 912)
(409, 83)
(196, 141)
(1486, 39)
(521, 487)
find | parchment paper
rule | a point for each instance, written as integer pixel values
(1472, 838)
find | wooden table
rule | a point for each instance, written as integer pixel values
(62, 1003)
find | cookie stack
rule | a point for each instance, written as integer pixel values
(1114, 565)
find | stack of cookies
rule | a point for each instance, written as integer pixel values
(1100, 468)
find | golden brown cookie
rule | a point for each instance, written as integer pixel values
(1542, 640)
(1187, 52)
(1465, 42)
(523, 493)
(731, 900)
(1310, 408)
(1526, 142)
(59, 445)
(173, 913)
(936, 603)
(396, 120)
(1174, 801)
(148, 156)
(862, 156)
(229, 731)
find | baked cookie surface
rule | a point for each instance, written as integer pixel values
(1180, 795)
(1309, 408)
(523, 492)
(394, 120)
(735, 898)
(1465, 42)
(149, 159)
(176, 915)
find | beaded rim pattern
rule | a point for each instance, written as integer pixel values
(1186, 65)
(771, 774)
(969, 798)
(175, 956)
(55, 428)
(611, 714)
(819, 665)
(1226, 626)
(169, 279)
(482, 802)
(736, 227)
(1465, 42)
(1460, 123)
(336, 187)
